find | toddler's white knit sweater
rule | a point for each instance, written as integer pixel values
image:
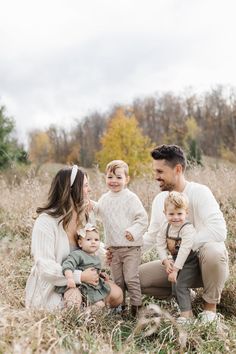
(120, 212)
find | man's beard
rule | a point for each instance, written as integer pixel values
(167, 187)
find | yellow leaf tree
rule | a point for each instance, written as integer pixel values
(124, 140)
(40, 148)
(194, 154)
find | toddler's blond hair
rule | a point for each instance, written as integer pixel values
(179, 200)
(113, 165)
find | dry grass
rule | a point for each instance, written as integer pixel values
(25, 331)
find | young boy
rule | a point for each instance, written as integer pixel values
(125, 221)
(177, 236)
(83, 258)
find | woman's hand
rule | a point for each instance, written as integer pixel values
(104, 276)
(90, 276)
(89, 206)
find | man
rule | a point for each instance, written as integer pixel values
(169, 165)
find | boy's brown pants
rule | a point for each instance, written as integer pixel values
(125, 271)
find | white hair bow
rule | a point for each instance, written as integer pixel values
(88, 227)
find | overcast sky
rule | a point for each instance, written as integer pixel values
(61, 60)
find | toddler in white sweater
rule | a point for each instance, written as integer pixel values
(125, 221)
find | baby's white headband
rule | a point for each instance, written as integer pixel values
(74, 171)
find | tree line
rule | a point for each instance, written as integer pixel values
(201, 123)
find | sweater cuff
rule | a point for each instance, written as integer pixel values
(178, 265)
(77, 276)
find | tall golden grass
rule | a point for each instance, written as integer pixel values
(27, 331)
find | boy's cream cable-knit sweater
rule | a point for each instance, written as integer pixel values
(120, 212)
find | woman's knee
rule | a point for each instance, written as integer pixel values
(73, 297)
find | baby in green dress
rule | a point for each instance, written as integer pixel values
(83, 258)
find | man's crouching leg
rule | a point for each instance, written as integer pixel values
(154, 280)
(213, 259)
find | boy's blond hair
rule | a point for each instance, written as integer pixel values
(179, 200)
(113, 165)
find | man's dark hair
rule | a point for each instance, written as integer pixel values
(172, 154)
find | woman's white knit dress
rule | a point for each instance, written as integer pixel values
(50, 246)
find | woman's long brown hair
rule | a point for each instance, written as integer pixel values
(62, 198)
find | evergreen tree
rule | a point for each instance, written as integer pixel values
(10, 150)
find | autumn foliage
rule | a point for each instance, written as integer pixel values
(201, 124)
(124, 140)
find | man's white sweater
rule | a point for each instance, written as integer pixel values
(204, 214)
(120, 212)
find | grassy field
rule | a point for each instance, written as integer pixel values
(24, 331)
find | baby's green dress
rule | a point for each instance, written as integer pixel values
(81, 260)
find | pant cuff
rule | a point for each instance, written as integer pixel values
(210, 301)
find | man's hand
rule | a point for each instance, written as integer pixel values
(90, 276)
(128, 236)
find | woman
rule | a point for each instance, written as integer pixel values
(53, 238)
